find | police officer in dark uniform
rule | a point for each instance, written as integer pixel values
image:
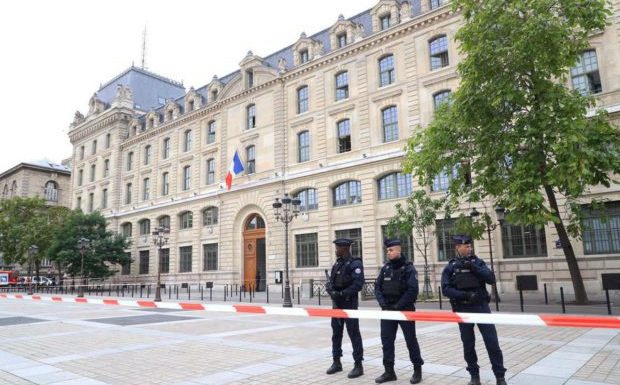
(396, 288)
(464, 281)
(344, 284)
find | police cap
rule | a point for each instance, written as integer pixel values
(391, 242)
(461, 239)
(343, 242)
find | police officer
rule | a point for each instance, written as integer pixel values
(464, 281)
(345, 281)
(396, 288)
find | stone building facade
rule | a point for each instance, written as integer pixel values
(325, 119)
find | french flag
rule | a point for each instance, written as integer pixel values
(236, 167)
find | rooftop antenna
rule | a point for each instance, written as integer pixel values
(144, 48)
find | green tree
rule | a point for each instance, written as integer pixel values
(418, 217)
(514, 124)
(106, 248)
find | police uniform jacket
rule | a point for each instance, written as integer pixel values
(396, 287)
(347, 276)
(458, 281)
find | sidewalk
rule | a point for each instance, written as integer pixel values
(78, 344)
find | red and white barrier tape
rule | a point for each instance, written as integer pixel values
(561, 320)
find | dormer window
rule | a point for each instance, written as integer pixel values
(213, 95)
(190, 106)
(385, 21)
(151, 122)
(342, 39)
(303, 56)
(170, 115)
(249, 78)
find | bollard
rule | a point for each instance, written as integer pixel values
(319, 296)
(562, 299)
(189, 291)
(133, 287)
(110, 290)
(521, 299)
(282, 290)
(148, 291)
(225, 292)
(267, 291)
(546, 298)
(293, 290)
(240, 295)
(202, 297)
(251, 289)
(298, 296)
(140, 291)
(608, 303)
(237, 288)
(439, 291)
(176, 288)
(211, 293)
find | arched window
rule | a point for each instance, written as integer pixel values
(126, 229)
(394, 185)
(145, 227)
(302, 99)
(50, 192)
(308, 198)
(348, 193)
(439, 52)
(13, 189)
(164, 221)
(389, 116)
(440, 98)
(187, 220)
(387, 74)
(5, 191)
(255, 222)
(209, 216)
(250, 113)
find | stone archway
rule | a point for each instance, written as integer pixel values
(254, 261)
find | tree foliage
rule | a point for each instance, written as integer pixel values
(513, 124)
(106, 248)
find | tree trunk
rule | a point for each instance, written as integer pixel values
(581, 297)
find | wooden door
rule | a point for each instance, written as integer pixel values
(249, 263)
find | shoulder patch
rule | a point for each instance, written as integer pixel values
(358, 271)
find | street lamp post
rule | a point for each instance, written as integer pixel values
(159, 239)
(489, 227)
(285, 210)
(83, 244)
(32, 251)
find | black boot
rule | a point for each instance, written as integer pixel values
(501, 381)
(388, 375)
(357, 370)
(336, 367)
(475, 380)
(417, 374)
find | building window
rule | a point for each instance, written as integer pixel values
(395, 185)
(255, 222)
(165, 183)
(211, 132)
(187, 219)
(190, 105)
(444, 230)
(187, 140)
(342, 39)
(187, 177)
(78, 203)
(342, 85)
(164, 261)
(94, 148)
(128, 193)
(209, 216)
(106, 168)
(81, 152)
(166, 149)
(302, 99)
(126, 229)
(146, 189)
(523, 241)
(147, 154)
(209, 252)
(344, 136)
(303, 146)
(387, 74)
(80, 178)
(108, 140)
(307, 246)
(389, 118)
(145, 227)
(440, 98)
(126, 268)
(308, 198)
(91, 202)
(303, 56)
(249, 76)
(250, 114)
(92, 172)
(348, 193)
(164, 221)
(585, 76)
(185, 259)
(435, 3)
(50, 192)
(250, 157)
(406, 243)
(210, 171)
(104, 198)
(144, 262)
(130, 161)
(356, 236)
(441, 182)
(601, 234)
(385, 21)
(439, 52)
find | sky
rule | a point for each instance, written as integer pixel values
(56, 54)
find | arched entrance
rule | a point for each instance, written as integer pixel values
(254, 261)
